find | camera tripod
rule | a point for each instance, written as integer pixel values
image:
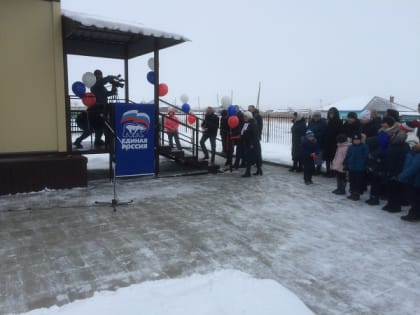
(114, 202)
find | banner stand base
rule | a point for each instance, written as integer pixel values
(114, 203)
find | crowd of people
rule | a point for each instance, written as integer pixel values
(377, 156)
(373, 155)
(242, 142)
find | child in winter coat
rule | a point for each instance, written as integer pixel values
(338, 163)
(171, 125)
(411, 176)
(355, 162)
(310, 150)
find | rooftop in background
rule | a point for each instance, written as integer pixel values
(91, 36)
(358, 104)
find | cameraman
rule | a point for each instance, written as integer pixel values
(93, 119)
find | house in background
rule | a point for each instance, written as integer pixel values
(359, 104)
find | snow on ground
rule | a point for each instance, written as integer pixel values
(277, 153)
(338, 256)
(274, 153)
(224, 292)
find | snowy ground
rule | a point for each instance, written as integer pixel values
(224, 292)
(339, 257)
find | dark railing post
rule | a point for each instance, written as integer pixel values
(156, 101)
(196, 137)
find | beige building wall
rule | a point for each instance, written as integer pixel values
(32, 102)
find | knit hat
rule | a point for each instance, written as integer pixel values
(409, 126)
(341, 138)
(316, 114)
(309, 133)
(248, 114)
(365, 115)
(389, 120)
(356, 136)
(352, 115)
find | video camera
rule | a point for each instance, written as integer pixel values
(117, 81)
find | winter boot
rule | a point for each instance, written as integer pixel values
(294, 167)
(354, 196)
(78, 143)
(373, 201)
(341, 187)
(411, 216)
(392, 208)
(247, 172)
(258, 172)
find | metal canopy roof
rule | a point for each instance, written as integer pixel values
(100, 38)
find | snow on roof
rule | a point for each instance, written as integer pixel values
(367, 102)
(350, 104)
(102, 22)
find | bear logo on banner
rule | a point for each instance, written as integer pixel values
(135, 124)
(135, 127)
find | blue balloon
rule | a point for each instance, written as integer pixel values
(232, 110)
(151, 77)
(186, 108)
(78, 88)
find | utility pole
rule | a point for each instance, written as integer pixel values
(258, 96)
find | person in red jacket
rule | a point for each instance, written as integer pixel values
(171, 128)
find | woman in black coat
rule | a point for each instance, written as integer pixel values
(334, 128)
(298, 132)
(394, 163)
(250, 141)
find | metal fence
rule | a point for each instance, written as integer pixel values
(276, 128)
(276, 125)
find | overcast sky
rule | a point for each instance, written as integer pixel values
(304, 52)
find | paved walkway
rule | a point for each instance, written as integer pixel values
(339, 257)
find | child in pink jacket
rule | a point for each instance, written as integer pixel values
(338, 164)
(171, 125)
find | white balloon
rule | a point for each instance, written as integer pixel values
(226, 101)
(184, 98)
(151, 63)
(89, 79)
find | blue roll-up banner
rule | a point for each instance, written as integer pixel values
(135, 142)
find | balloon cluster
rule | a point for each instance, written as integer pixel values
(163, 90)
(232, 110)
(163, 87)
(79, 89)
(186, 108)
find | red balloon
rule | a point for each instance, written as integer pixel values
(191, 119)
(163, 89)
(233, 121)
(89, 99)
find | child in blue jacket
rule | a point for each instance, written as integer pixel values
(411, 176)
(355, 162)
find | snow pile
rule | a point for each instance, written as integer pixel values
(223, 292)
